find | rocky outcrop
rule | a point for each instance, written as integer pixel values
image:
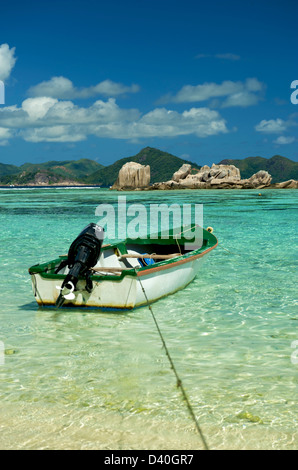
(131, 176)
(206, 177)
(182, 173)
(227, 173)
(214, 177)
(259, 180)
(134, 176)
(290, 184)
(41, 179)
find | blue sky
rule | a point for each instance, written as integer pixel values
(101, 80)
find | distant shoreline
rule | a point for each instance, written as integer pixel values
(75, 186)
(39, 186)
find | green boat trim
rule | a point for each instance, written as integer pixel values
(209, 242)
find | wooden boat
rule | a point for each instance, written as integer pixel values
(127, 274)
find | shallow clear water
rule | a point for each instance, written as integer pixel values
(85, 379)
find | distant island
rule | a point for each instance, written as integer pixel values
(68, 172)
(162, 167)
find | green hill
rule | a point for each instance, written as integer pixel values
(54, 171)
(6, 169)
(162, 167)
(68, 168)
(280, 168)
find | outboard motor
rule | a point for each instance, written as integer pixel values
(82, 256)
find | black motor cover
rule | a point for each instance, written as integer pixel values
(83, 254)
(86, 247)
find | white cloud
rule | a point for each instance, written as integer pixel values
(57, 87)
(110, 88)
(63, 88)
(226, 56)
(49, 120)
(5, 134)
(53, 134)
(271, 126)
(161, 122)
(278, 126)
(235, 93)
(38, 108)
(243, 99)
(283, 140)
(7, 61)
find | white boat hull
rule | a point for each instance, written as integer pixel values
(162, 283)
(125, 293)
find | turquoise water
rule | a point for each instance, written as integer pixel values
(84, 379)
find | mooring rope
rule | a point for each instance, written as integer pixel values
(228, 251)
(178, 245)
(179, 381)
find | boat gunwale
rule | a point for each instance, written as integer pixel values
(134, 272)
(174, 261)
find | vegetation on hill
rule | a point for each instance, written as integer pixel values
(162, 167)
(280, 168)
(32, 177)
(6, 169)
(67, 168)
(55, 172)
